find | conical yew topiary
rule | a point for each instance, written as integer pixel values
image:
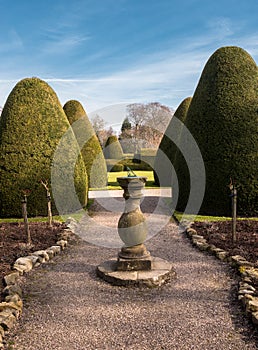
(169, 145)
(223, 119)
(113, 148)
(88, 142)
(31, 128)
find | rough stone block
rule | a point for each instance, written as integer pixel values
(12, 289)
(245, 291)
(62, 243)
(11, 278)
(50, 253)
(9, 305)
(23, 264)
(11, 308)
(190, 232)
(252, 305)
(238, 260)
(7, 320)
(255, 318)
(248, 286)
(65, 234)
(198, 238)
(55, 248)
(42, 254)
(221, 255)
(202, 245)
(133, 264)
(34, 259)
(252, 273)
(14, 298)
(1, 331)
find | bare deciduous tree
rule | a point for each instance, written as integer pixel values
(49, 210)
(99, 126)
(147, 122)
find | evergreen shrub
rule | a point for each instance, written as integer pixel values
(223, 119)
(169, 147)
(88, 142)
(31, 127)
(113, 148)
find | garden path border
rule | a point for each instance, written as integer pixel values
(248, 285)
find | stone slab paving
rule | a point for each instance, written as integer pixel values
(68, 307)
(161, 272)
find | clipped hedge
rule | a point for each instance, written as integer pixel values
(135, 165)
(148, 156)
(88, 142)
(223, 119)
(114, 166)
(31, 127)
(113, 148)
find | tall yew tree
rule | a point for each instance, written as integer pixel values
(168, 147)
(88, 142)
(223, 119)
(32, 124)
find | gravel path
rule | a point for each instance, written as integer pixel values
(67, 307)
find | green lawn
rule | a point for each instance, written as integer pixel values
(77, 216)
(113, 184)
(189, 217)
(34, 219)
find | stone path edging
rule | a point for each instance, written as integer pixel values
(249, 274)
(11, 307)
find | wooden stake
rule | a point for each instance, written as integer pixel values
(25, 218)
(233, 196)
(234, 214)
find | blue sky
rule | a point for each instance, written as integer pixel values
(113, 52)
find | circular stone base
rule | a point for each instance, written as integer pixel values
(161, 272)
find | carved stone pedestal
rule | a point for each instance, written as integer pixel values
(134, 264)
(134, 259)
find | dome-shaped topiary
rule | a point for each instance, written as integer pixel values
(88, 142)
(113, 148)
(31, 127)
(223, 119)
(168, 148)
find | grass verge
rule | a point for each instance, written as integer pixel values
(113, 184)
(178, 216)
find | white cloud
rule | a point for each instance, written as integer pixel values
(13, 42)
(59, 43)
(166, 77)
(222, 27)
(168, 81)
